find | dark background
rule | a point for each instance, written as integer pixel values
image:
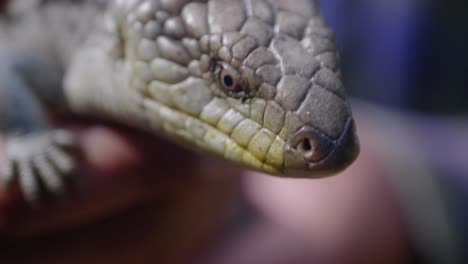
(409, 54)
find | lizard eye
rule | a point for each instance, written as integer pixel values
(228, 81)
(231, 82)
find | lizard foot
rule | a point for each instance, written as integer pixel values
(38, 161)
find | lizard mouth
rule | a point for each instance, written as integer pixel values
(312, 152)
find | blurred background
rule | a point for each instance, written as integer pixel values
(408, 54)
(408, 59)
(405, 200)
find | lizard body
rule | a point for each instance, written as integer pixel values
(255, 82)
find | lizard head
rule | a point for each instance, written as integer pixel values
(256, 82)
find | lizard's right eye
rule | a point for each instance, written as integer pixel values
(229, 82)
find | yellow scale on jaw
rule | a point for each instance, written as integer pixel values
(259, 148)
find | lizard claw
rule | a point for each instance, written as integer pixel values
(38, 160)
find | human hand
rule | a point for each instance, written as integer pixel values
(144, 197)
(353, 217)
(350, 218)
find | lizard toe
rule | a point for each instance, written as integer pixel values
(61, 160)
(28, 182)
(50, 178)
(7, 171)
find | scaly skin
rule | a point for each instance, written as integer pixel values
(158, 63)
(255, 82)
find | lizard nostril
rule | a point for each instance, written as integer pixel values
(312, 145)
(307, 148)
(305, 145)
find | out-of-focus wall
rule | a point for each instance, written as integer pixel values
(410, 57)
(408, 54)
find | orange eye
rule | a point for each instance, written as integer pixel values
(229, 83)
